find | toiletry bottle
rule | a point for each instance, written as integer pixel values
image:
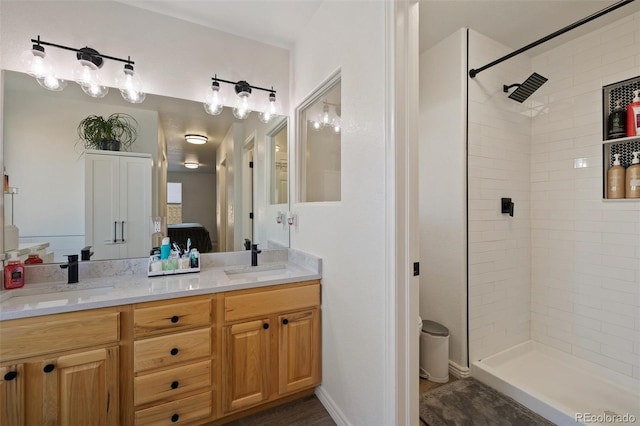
(165, 249)
(615, 179)
(14, 273)
(633, 115)
(632, 186)
(617, 125)
(195, 258)
(6, 180)
(33, 259)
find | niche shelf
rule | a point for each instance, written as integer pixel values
(623, 91)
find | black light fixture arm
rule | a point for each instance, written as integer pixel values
(473, 72)
(243, 84)
(83, 50)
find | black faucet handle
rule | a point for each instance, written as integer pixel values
(254, 248)
(86, 253)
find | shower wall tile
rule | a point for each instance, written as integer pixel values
(499, 165)
(585, 296)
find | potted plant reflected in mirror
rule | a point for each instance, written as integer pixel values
(117, 132)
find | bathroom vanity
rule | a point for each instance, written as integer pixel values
(197, 349)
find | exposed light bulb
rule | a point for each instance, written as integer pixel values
(213, 102)
(316, 125)
(325, 114)
(335, 126)
(271, 111)
(130, 85)
(85, 74)
(242, 109)
(38, 67)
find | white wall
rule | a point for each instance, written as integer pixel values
(443, 186)
(349, 235)
(498, 166)
(586, 251)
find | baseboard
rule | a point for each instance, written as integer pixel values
(334, 411)
(459, 371)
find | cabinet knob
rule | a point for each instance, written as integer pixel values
(175, 384)
(175, 319)
(10, 375)
(265, 326)
(175, 418)
(174, 351)
(48, 368)
(285, 321)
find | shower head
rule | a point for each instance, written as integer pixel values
(527, 88)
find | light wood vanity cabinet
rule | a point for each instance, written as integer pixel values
(172, 358)
(60, 369)
(271, 344)
(194, 360)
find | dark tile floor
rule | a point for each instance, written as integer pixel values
(308, 411)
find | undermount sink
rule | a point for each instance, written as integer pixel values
(256, 273)
(54, 295)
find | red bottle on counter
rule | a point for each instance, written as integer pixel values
(14, 274)
(33, 259)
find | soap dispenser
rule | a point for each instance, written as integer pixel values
(617, 124)
(633, 115)
(632, 184)
(14, 273)
(615, 179)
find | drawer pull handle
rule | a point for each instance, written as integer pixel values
(265, 326)
(174, 351)
(175, 319)
(285, 321)
(48, 368)
(175, 384)
(10, 375)
(175, 418)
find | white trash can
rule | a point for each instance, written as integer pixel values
(434, 352)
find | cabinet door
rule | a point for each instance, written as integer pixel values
(245, 364)
(12, 395)
(135, 206)
(77, 389)
(102, 205)
(298, 351)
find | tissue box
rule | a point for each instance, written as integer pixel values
(10, 237)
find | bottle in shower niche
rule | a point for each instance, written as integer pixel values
(632, 183)
(633, 115)
(615, 179)
(617, 123)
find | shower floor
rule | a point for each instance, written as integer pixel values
(562, 388)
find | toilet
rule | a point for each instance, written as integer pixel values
(434, 352)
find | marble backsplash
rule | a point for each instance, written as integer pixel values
(138, 266)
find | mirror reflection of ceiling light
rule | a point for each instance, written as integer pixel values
(326, 119)
(191, 165)
(196, 139)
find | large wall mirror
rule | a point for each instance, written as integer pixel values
(237, 192)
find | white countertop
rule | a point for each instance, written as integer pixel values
(53, 298)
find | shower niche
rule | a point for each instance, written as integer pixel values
(621, 91)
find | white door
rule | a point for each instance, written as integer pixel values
(102, 205)
(135, 206)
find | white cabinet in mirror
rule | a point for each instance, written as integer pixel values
(42, 156)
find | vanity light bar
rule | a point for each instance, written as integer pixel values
(83, 51)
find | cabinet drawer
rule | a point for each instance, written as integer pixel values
(54, 333)
(172, 349)
(153, 318)
(265, 303)
(172, 382)
(176, 412)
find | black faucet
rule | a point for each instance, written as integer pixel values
(86, 253)
(254, 254)
(72, 265)
(247, 244)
